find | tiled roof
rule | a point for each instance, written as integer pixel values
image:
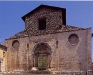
(62, 28)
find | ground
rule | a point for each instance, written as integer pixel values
(21, 74)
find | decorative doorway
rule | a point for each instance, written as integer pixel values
(42, 56)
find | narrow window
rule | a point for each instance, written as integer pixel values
(3, 54)
(42, 24)
(27, 46)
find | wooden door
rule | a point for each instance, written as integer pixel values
(42, 62)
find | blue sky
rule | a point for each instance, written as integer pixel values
(79, 13)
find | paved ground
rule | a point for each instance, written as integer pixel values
(23, 74)
(13, 74)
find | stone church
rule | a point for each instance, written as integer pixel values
(48, 43)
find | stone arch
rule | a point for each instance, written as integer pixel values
(42, 56)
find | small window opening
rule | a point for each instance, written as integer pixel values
(3, 54)
(42, 24)
(27, 46)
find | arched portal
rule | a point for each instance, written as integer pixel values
(42, 56)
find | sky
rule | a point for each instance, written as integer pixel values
(78, 13)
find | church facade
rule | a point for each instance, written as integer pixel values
(48, 43)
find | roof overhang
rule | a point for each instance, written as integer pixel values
(3, 47)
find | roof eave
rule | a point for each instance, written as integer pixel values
(3, 47)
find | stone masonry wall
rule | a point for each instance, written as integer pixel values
(53, 19)
(64, 57)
